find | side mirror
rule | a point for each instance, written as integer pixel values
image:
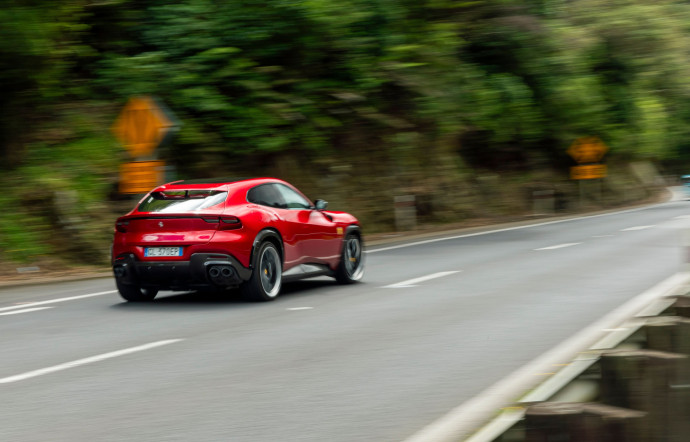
(320, 204)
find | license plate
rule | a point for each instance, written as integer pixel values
(163, 251)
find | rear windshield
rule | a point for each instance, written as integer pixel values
(182, 200)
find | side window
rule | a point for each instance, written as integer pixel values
(293, 199)
(266, 195)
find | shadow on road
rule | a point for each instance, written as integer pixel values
(216, 298)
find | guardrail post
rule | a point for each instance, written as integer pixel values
(672, 334)
(682, 306)
(581, 422)
(646, 380)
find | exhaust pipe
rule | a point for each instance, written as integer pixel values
(222, 275)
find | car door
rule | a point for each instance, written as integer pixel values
(316, 233)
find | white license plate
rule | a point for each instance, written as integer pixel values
(163, 251)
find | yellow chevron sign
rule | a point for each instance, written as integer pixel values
(141, 126)
(587, 150)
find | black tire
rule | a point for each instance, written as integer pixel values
(133, 293)
(267, 275)
(351, 266)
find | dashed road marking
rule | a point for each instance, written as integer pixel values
(53, 301)
(26, 310)
(415, 281)
(79, 362)
(294, 309)
(637, 228)
(560, 246)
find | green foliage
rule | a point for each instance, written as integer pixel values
(20, 240)
(254, 77)
(54, 202)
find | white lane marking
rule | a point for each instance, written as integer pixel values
(26, 310)
(507, 229)
(467, 417)
(637, 228)
(602, 236)
(415, 281)
(560, 246)
(90, 360)
(294, 309)
(53, 301)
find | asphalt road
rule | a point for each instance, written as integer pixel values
(433, 324)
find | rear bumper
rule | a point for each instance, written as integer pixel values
(202, 270)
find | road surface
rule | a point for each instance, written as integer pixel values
(434, 323)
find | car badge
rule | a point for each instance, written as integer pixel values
(160, 224)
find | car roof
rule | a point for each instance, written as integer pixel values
(207, 181)
(216, 184)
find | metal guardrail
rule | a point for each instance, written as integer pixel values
(555, 388)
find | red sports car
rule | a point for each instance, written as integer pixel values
(252, 234)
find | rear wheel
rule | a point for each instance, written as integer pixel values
(134, 293)
(267, 276)
(351, 267)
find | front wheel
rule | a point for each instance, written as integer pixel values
(267, 275)
(134, 293)
(351, 266)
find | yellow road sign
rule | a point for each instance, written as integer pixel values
(140, 176)
(141, 126)
(587, 150)
(588, 172)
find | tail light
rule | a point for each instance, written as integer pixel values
(228, 222)
(225, 222)
(121, 226)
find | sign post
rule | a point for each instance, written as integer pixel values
(143, 124)
(588, 151)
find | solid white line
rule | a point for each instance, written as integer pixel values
(468, 417)
(560, 246)
(53, 301)
(90, 360)
(413, 282)
(507, 229)
(16, 312)
(636, 228)
(294, 309)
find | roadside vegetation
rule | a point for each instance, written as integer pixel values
(468, 105)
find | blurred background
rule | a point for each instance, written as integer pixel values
(469, 107)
